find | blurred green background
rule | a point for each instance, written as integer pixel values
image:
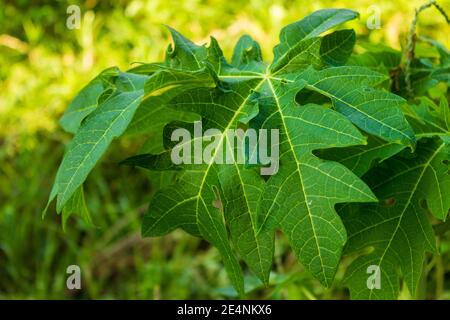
(43, 64)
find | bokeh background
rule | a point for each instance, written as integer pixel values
(42, 66)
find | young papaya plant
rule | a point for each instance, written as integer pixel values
(361, 141)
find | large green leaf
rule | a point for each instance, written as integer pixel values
(76, 205)
(244, 89)
(87, 99)
(427, 120)
(359, 159)
(92, 139)
(242, 190)
(374, 111)
(316, 103)
(110, 120)
(190, 203)
(337, 47)
(397, 229)
(312, 26)
(300, 199)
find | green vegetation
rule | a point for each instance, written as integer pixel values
(406, 151)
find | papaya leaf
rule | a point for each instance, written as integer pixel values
(252, 94)
(110, 120)
(408, 186)
(87, 100)
(337, 47)
(341, 165)
(397, 228)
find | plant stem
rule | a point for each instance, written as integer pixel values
(410, 47)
